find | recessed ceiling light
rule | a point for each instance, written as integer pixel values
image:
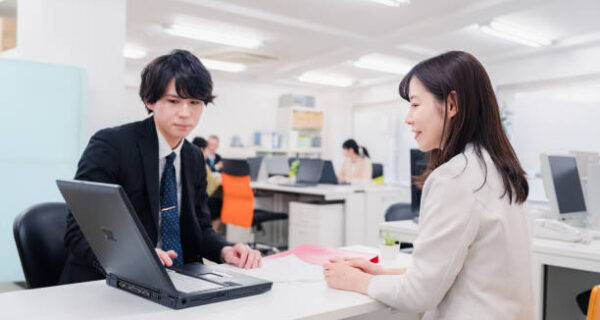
(392, 3)
(515, 33)
(202, 34)
(383, 63)
(131, 51)
(223, 65)
(326, 79)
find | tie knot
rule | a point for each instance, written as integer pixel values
(171, 157)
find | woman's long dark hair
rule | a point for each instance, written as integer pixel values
(477, 119)
(351, 144)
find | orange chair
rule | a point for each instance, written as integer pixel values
(238, 200)
(593, 312)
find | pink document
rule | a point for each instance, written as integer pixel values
(319, 255)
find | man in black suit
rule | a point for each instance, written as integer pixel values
(163, 175)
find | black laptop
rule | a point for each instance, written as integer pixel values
(328, 174)
(309, 173)
(115, 234)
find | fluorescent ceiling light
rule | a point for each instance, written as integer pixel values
(132, 51)
(223, 66)
(326, 79)
(511, 32)
(392, 3)
(383, 63)
(199, 33)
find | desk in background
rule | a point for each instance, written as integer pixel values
(576, 256)
(364, 206)
(96, 300)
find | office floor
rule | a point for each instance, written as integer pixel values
(11, 286)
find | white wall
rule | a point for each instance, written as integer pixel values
(84, 33)
(557, 118)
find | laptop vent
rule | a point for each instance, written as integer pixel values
(137, 290)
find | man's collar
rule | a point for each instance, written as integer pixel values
(164, 149)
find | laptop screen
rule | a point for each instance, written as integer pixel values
(328, 176)
(277, 166)
(107, 219)
(309, 171)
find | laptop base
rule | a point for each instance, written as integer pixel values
(186, 300)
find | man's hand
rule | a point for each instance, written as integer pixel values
(242, 256)
(166, 257)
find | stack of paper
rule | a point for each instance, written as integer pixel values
(285, 269)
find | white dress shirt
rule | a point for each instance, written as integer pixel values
(164, 149)
(472, 257)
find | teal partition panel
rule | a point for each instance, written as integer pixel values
(42, 132)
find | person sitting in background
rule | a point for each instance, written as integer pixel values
(215, 197)
(214, 159)
(357, 165)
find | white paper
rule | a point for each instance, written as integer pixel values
(285, 269)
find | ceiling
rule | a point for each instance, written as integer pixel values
(327, 35)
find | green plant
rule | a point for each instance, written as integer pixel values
(389, 240)
(294, 168)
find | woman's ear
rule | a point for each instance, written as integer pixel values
(452, 104)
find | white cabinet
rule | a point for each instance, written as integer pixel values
(311, 223)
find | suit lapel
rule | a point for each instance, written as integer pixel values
(148, 146)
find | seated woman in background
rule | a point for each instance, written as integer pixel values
(357, 165)
(215, 199)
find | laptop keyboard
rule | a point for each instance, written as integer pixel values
(189, 284)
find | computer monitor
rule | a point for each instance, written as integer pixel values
(277, 166)
(418, 164)
(255, 164)
(563, 185)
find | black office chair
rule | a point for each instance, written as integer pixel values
(240, 168)
(39, 233)
(377, 170)
(400, 211)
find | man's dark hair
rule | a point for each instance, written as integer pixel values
(192, 80)
(200, 142)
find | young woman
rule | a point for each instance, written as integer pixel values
(357, 165)
(472, 258)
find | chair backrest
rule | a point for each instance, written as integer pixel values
(238, 198)
(39, 234)
(377, 170)
(399, 211)
(593, 312)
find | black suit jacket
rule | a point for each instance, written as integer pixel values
(128, 155)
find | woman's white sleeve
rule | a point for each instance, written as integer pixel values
(448, 224)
